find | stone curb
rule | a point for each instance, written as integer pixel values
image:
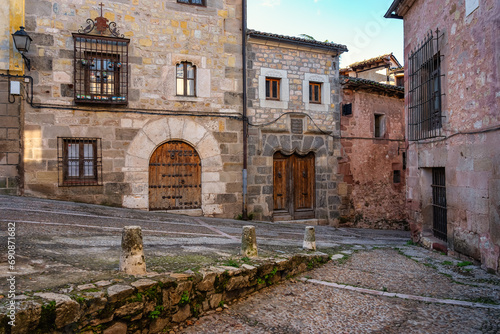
(403, 296)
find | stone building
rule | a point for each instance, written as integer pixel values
(383, 69)
(135, 104)
(452, 101)
(293, 111)
(372, 188)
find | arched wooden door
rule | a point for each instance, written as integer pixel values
(293, 186)
(175, 177)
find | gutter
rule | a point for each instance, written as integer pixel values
(244, 213)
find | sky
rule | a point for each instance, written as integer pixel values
(358, 24)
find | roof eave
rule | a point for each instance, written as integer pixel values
(339, 50)
(391, 12)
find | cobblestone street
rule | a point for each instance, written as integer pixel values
(377, 281)
(304, 307)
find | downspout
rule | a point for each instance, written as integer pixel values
(245, 120)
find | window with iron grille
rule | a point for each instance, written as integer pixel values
(272, 89)
(424, 96)
(186, 79)
(314, 92)
(101, 69)
(79, 161)
(193, 2)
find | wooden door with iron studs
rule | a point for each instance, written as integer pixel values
(175, 177)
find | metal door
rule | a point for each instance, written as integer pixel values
(174, 177)
(293, 186)
(440, 220)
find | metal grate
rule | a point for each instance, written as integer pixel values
(439, 203)
(424, 96)
(79, 161)
(101, 69)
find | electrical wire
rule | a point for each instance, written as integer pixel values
(485, 130)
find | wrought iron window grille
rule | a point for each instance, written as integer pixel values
(79, 161)
(100, 63)
(425, 114)
(193, 2)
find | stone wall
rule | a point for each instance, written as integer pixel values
(469, 154)
(10, 141)
(162, 34)
(148, 304)
(370, 197)
(271, 122)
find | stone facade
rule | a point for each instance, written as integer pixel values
(468, 148)
(373, 186)
(162, 35)
(10, 141)
(291, 124)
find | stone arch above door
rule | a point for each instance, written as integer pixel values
(157, 132)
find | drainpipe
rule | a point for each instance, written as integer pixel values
(245, 120)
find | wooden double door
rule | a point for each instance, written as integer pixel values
(293, 186)
(174, 177)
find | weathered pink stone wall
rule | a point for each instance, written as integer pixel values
(369, 196)
(470, 67)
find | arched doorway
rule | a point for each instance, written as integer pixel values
(174, 177)
(293, 186)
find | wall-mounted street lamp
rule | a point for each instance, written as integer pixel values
(22, 43)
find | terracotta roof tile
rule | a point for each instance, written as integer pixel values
(298, 40)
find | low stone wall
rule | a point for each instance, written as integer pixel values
(148, 305)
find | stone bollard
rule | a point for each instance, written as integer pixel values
(249, 242)
(132, 260)
(309, 239)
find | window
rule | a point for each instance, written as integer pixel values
(80, 161)
(101, 69)
(347, 109)
(315, 92)
(424, 103)
(272, 89)
(379, 126)
(186, 79)
(396, 177)
(193, 2)
(400, 81)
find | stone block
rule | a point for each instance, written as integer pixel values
(125, 134)
(116, 328)
(118, 292)
(67, 310)
(237, 282)
(143, 284)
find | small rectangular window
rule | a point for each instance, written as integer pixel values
(314, 92)
(396, 178)
(400, 81)
(193, 2)
(80, 161)
(379, 126)
(272, 89)
(347, 109)
(186, 79)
